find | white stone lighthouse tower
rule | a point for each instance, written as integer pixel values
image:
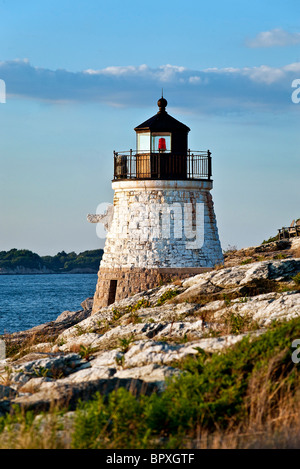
(163, 225)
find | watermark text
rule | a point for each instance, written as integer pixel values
(2, 92)
(296, 93)
(2, 350)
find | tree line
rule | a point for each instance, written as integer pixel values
(61, 262)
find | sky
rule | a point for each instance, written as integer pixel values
(80, 75)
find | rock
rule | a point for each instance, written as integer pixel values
(87, 340)
(87, 304)
(5, 407)
(62, 364)
(34, 384)
(43, 347)
(108, 358)
(69, 318)
(6, 392)
(215, 284)
(242, 274)
(18, 379)
(150, 352)
(68, 394)
(181, 329)
(168, 312)
(150, 373)
(262, 308)
(90, 374)
(132, 332)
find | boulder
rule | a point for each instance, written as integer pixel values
(68, 394)
(6, 392)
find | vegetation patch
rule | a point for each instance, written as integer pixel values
(251, 387)
(247, 261)
(125, 342)
(213, 393)
(296, 279)
(143, 303)
(167, 295)
(259, 287)
(272, 239)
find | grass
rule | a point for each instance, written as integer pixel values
(246, 261)
(86, 352)
(235, 323)
(18, 347)
(124, 343)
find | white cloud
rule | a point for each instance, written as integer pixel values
(216, 91)
(118, 71)
(273, 38)
(264, 74)
(195, 80)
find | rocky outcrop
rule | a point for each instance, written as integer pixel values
(138, 342)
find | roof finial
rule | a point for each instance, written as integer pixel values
(162, 103)
(162, 92)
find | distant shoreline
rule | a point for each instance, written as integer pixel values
(48, 273)
(25, 262)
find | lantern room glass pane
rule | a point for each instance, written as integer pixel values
(161, 142)
(143, 142)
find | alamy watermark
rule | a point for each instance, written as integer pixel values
(153, 221)
(296, 93)
(296, 353)
(2, 92)
(2, 350)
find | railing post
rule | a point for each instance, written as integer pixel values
(192, 165)
(130, 164)
(209, 164)
(115, 176)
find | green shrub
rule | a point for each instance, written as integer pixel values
(296, 279)
(124, 343)
(270, 240)
(118, 423)
(168, 295)
(246, 261)
(143, 303)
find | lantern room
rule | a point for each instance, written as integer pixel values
(162, 133)
(162, 151)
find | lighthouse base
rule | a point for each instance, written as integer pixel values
(119, 283)
(161, 231)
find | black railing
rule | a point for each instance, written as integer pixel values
(162, 165)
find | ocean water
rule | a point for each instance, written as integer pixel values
(29, 300)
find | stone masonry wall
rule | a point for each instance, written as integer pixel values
(131, 281)
(142, 236)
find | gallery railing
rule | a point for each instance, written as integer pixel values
(162, 165)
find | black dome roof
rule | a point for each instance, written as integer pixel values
(162, 121)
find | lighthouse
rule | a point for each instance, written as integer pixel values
(162, 222)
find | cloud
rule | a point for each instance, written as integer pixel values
(274, 38)
(205, 91)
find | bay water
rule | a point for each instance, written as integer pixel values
(29, 300)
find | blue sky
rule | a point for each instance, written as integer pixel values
(81, 75)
